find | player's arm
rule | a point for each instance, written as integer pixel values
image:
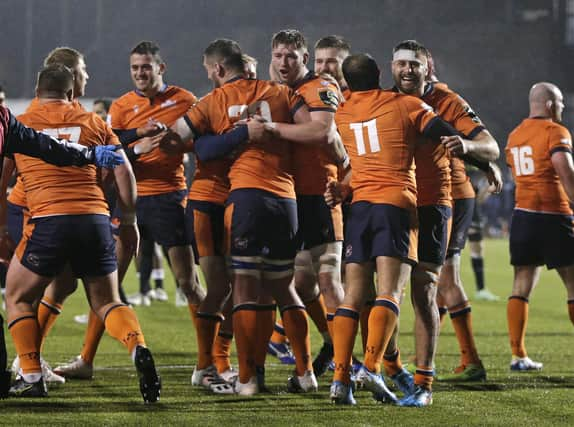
(483, 146)
(209, 146)
(564, 167)
(441, 131)
(149, 137)
(24, 140)
(126, 197)
(309, 128)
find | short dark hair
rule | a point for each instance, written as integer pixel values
(333, 41)
(412, 45)
(361, 72)
(106, 101)
(63, 55)
(227, 52)
(148, 48)
(55, 78)
(289, 37)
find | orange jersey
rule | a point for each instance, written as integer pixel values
(453, 109)
(265, 166)
(52, 190)
(156, 172)
(380, 130)
(528, 154)
(313, 167)
(18, 194)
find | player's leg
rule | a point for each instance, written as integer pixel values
(24, 289)
(451, 293)
(525, 279)
(158, 274)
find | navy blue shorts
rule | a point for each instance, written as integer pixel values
(161, 218)
(374, 230)
(461, 219)
(15, 221)
(318, 223)
(538, 238)
(85, 241)
(433, 233)
(205, 227)
(260, 223)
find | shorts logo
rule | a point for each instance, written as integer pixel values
(349, 250)
(33, 260)
(240, 242)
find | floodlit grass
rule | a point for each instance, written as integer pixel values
(544, 398)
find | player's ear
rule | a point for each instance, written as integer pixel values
(220, 70)
(70, 94)
(162, 67)
(305, 58)
(549, 105)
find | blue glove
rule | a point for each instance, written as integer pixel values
(106, 157)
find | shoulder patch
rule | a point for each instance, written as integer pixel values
(329, 97)
(473, 116)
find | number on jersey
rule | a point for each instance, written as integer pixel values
(523, 162)
(372, 136)
(242, 112)
(71, 134)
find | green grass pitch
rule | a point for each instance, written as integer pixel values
(544, 398)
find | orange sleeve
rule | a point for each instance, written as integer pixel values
(420, 113)
(115, 114)
(197, 118)
(463, 117)
(559, 139)
(320, 95)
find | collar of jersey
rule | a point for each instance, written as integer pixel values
(161, 91)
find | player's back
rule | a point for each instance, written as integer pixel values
(528, 154)
(380, 130)
(52, 190)
(267, 165)
(156, 172)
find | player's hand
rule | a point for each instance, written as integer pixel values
(494, 176)
(106, 157)
(170, 143)
(245, 122)
(335, 193)
(151, 128)
(455, 145)
(130, 237)
(148, 143)
(260, 131)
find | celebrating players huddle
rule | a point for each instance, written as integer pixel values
(277, 164)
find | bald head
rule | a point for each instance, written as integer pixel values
(361, 72)
(546, 101)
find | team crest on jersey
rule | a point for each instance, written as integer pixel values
(168, 103)
(329, 97)
(136, 109)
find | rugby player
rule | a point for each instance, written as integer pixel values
(320, 233)
(539, 154)
(50, 242)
